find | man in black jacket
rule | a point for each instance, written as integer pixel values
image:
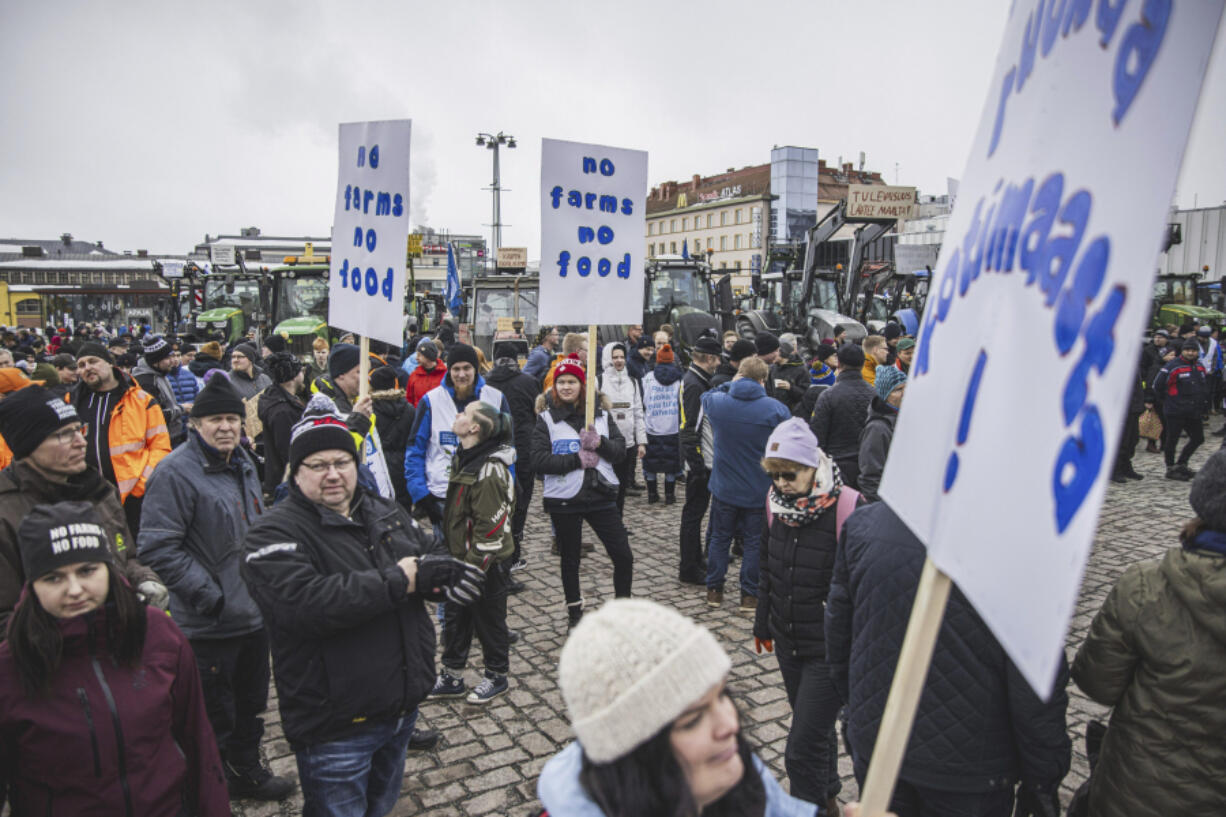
(520, 391)
(1182, 389)
(704, 359)
(979, 729)
(841, 412)
(340, 575)
(724, 373)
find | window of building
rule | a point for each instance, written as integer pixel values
(723, 243)
(672, 225)
(710, 242)
(723, 218)
(651, 250)
(672, 247)
(685, 224)
(723, 265)
(736, 241)
(738, 215)
(738, 266)
(710, 219)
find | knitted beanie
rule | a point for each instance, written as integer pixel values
(572, 366)
(742, 349)
(53, 536)
(343, 358)
(218, 397)
(664, 354)
(1208, 495)
(892, 331)
(793, 440)
(888, 379)
(283, 367)
(275, 343)
(212, 349)
(156, 350)
(462, 353)
(765, 343)
(95, 350)
(630, 669)
(247, 350)
(30, 415)
(320, 429)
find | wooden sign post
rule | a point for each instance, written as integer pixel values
(593, 353)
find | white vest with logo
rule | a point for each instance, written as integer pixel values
(565, 440)
(442, 439)
(661, 406)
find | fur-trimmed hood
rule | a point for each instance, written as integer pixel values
(543, 402)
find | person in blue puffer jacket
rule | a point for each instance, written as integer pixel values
(185, 385)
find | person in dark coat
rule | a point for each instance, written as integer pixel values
(520, 391)
(341, 575)
(878, 431)
(841, 412)
(1182, 387)
(279, 409)
(208, 357)
(740, 350)
(797, 565)
(822, 373)
(1165, 355)
(642, 359)
(979, 729)
(394, 421)
(704, 359)
(101, 706)
(1156, 654)
(1131, 435)
(789, 369)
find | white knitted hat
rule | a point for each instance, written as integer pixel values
(630, 669)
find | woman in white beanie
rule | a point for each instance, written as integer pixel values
(657, 732)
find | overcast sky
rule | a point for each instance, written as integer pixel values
(148, 124)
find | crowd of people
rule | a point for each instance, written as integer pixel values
(234, 487)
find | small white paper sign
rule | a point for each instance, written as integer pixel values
(366, 280)
(1029, 342)
(593, 219)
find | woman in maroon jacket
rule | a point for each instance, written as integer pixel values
(101, 711)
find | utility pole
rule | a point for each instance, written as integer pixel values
(494, 142)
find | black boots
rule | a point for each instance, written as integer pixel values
(653, 491)
(670, 493)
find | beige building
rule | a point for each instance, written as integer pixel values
(723, 218)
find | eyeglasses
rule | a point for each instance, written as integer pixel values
(340, 466)
(786, 476)
(68, 435)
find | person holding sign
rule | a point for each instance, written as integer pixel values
(980, 729)
(1156, 652)
(580, 483)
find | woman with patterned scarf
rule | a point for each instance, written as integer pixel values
(797, 565)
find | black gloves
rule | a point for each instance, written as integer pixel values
(1037, 801)
(433, 506)
(449, 578)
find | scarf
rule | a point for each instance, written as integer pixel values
(798, 511)
(1208, 539)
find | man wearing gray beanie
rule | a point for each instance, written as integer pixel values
(878, 430)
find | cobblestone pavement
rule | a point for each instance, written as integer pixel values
(489, 758)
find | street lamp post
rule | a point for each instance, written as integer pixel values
(494, 142)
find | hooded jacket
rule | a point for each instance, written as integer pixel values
(136, 435)
(1182, 388)
(21, 488)
(278, 411)
(418, 453)
(422, 381)
(1156, 652)
(562, 793)
(875, 441)
(158, 385)
(202, 364)
(110, 739)
(480, 501)
(350, 646)
(193, 522)
(664, 450)
(249, 385)
(742, 418)
(840, 415)
(394, 420)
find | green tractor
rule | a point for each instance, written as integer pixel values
(1175, 303)
(234, 303)
(300, 305)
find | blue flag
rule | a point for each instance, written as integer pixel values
(685, 250)
(453, 294)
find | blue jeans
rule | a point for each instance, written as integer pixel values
(725, 522)
(358, 776)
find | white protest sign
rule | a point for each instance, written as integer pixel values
(1029, 342)
(593, 219)
(370, 229)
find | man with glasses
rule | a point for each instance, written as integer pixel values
(340, 575)
(48, 447)
(201, 501)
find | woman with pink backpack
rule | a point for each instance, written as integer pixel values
(806, 507)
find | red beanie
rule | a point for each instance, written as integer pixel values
(664, 354)
(570, 365)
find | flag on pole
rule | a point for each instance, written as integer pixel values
(685, 250)
(452, 295)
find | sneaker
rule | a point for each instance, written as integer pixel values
(257, 783)
(1174, 472)
(1118, 478)
(448, 686)
(694, 578)
(748, 603)
(1131, 473)
(512, 636)
(715, 598)
(423, 740)
(574, 614)
(514, 586)
(490, 688)
(519, 564)
(1183, 466)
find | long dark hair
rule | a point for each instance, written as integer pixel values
(38, 645)
(649, 782)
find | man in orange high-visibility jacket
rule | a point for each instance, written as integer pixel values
(124, 427)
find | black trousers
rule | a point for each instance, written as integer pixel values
(131, 512)
(607, 524)
(697, 498)
(1176, 424)
(487, 617)
(524, 481)
(849, 468)
(812, 753)
(1128, 443)
(625, 473)
(234, 678)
